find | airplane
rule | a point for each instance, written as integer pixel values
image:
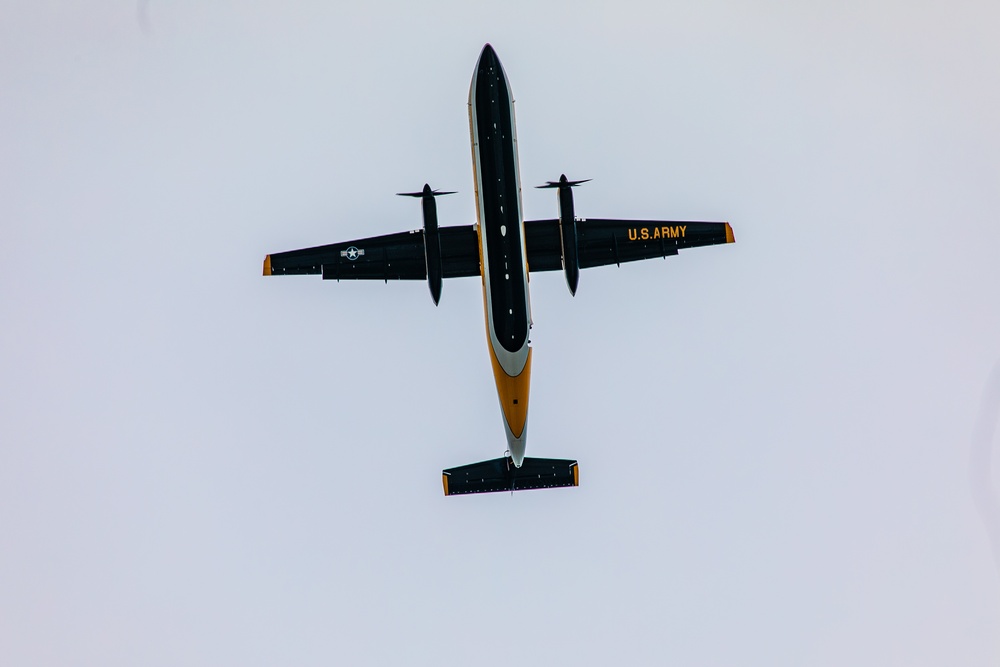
(502, 249)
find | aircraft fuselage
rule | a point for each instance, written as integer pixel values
(500, 227)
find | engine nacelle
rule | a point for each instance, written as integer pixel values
(432, 248)
(567, 230)
(432, 238)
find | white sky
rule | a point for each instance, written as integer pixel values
(201, 466)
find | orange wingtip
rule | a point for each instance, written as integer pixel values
(444, 482)
(729, 234)
(267, 265)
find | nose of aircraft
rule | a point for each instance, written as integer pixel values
(488, 56)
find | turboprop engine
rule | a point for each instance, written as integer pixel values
(567, 229)
(432, 237)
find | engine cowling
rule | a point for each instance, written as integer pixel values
(432, 238)
(567, 230)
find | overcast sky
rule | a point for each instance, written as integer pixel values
(786, 445)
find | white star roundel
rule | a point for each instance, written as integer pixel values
(352, 253)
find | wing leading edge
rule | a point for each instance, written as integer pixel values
(604, 241)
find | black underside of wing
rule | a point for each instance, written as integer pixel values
(397, 256)
(501, 475)
(459, 251)
(544, 245)
(604, 241)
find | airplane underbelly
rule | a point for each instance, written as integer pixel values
(501, 238)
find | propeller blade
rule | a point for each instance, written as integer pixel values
(562, 183)
(426, 193)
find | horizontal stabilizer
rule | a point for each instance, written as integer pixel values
(501, 475)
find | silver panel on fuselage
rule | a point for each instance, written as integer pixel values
(498, 203)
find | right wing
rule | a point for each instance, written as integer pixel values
(603, 241)
(390, 257)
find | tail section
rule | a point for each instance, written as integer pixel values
(501, 475)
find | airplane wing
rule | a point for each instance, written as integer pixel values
(390, 257)
(601, 241)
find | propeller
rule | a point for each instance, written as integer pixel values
(562, 183)
(426, 192)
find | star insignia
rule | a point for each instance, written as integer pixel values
(352, 253)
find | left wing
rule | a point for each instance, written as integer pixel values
(603, 241)
(391, 257)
